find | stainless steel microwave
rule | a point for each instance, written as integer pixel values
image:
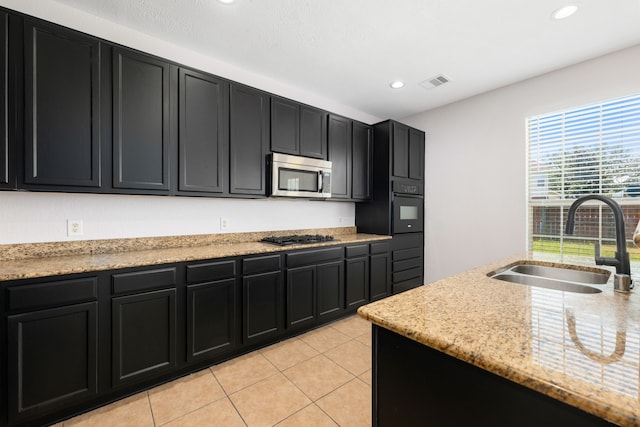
(295, 176)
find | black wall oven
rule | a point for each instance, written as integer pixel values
(408, 208)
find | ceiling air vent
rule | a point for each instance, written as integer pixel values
(434, 82)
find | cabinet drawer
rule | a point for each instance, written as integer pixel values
(407, 274)
(406, 264)
(299, 259)
(379, 248)
(40, 295)
(356, 251)
(144, 280)
(406, 285)
(407, 253)
(260, 264)
(211, 271)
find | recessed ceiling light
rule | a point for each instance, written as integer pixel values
(397, 84)
(564, 12)
(226, 1)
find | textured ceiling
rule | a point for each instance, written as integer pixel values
(350, 50)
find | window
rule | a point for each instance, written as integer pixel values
(593, 149)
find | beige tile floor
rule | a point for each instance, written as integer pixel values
(320, 378)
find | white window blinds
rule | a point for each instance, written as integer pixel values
(593, 149)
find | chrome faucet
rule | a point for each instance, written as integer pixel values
(621, 260)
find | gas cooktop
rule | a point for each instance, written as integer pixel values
(299, 239)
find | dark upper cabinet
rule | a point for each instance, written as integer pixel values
(141, 128)
(313, 132)
(400, 151)
(285, 126)
(62, 145)
(361, 161)
(5, 176)
(298, 129)
(249, 140)
(203, 139)
(416, 154)
(339, 148)
(408, 152)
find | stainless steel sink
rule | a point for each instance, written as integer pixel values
(559, 278)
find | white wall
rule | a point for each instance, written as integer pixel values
(41, 217)
(475, 195)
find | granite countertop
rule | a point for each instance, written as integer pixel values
(133, 254)
(582, 349)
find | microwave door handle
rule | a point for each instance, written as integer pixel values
(319, 181)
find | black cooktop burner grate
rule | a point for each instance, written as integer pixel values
(297, 239)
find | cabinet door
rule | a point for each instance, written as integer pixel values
(380, 274)
(52, 359)
(249, 140)
(339, 147)
(140, 121)
(313, 132)
(400, 151)
(211, 319)
(301, 296)
(357, 282)
(143, 335)
(262, 306)
(62, 107)
(330, 284)
(416, 154)
(204, 132)
(361, 162)
(5, 179)
(285, 126)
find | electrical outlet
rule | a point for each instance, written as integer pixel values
(74, 227)
(224, 223)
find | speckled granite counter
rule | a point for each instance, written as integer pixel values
(582, 349)
(80, 257)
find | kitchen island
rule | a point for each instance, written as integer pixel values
(472, 350)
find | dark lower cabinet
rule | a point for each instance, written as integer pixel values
(212, 309)
(143, 335)
(62, 145)
(407, 252)
(379, 271)
(143, 324)
(301, 296)
(79, 341)
(141, 138)
(330, 279)
(262, 299)
(357, 282)
(315, 286)
(249, 140)
(52, 360)
(211, 319)
(413, 384)
(314, 293)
